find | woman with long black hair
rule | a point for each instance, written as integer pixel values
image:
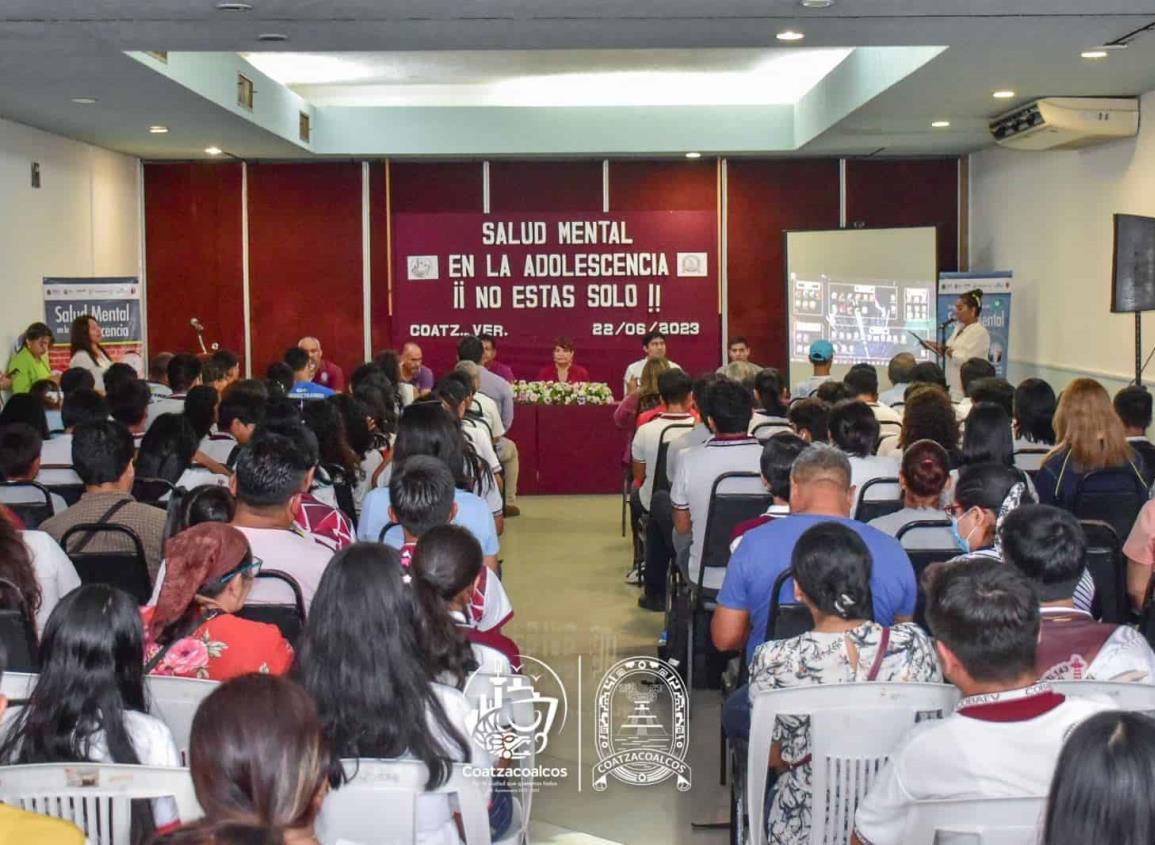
(88, 704)
(369, 657)
(87, 353)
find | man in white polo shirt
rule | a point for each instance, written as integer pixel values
(272, 475)
(731, 449)
(1004, 738)
(655, 345)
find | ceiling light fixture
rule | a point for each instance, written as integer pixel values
(230, 6)
(693, 155)
(940, 124)
(214, 151)
(817, 4)
(158, 130)
(790, 35)
(272, 36)
(1094, 54)
(1005, 94)
(84, 101)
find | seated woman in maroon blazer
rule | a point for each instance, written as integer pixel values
(563, 368)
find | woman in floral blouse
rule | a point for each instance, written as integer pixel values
(193, 630)
(832, 578)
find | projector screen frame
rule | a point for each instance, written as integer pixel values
(828, 229)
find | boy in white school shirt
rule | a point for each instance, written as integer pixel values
(1004, 738)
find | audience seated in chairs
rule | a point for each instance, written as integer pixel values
(810, 419)
(128, 402)
(697, 435)
(258, 757)
(731, 449)
(971, 371)
(1047, 545)
(1104, 784)
(370, 436)
(831, 568)
(184, 373)
(1133, 405)
(102, 454)
(924, 476)
(166, 454)
(854, 429)
(1140, 551)
(492, 414)
(1091, 437)
(304, 369)
(898, 371)
(927, 415)
(368, 657)
(1033, 421)
(456, 391)
(80, 406)
(88, 703)
(862, 381)
(778, 456)
(193, 631)
(832, 392)
(448, 558)
(241, 410)
(421, 495)
(988, 439)
(20, 446)
(1005, 737)
(26, 409)
(50, 396)
(996, 390)
(772, 401)
(200, 409)
(819, 492)
(39, 569)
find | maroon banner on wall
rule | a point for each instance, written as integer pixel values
(602, 280)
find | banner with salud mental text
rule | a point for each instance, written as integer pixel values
(601, 280)
(113, 301)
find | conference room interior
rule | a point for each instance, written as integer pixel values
(273, 170)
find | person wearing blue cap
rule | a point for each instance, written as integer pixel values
(822, 359)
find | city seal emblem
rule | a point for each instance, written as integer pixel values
(642, 711)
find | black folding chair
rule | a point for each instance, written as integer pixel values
(920, 559)
(69, 491)
(1108, 568)
(385, 529)
(289, 617)
(153, 491)
(36, 508)
(765, 430)
(17, 630)
(1114, 496)
(661, 479)
(1030, 459)
(342, 489)
(727, 511)
(126, 569)
(786, 620)
(869, 509)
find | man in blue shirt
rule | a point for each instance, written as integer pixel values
(303, 385)
(820, 491)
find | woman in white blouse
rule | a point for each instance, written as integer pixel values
(87, 353)
(969, 339)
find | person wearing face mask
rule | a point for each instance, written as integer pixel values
(985, 495)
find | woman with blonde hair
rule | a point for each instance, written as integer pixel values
(1090, 438)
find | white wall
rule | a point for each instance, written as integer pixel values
(82, 221)
(1047, 217)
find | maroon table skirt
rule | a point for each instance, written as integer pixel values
(568, 449)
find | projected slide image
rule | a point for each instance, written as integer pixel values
(808, 298)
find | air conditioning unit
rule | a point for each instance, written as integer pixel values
(1065, 123)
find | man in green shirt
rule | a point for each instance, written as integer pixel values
(30, 364)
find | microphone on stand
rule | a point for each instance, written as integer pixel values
(199, 328)
(948, 322)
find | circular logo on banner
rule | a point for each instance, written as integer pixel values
(642, 713)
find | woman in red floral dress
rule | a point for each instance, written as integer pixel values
(193, 630)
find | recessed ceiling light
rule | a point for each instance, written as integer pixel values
(158, 130)
(84, 101)
(940, 124)
(272, 36)
(693, 155)
(229, 6)
(1003, 95)
(790, 35)
(817, 4)
(213, 151)
(1094, 54)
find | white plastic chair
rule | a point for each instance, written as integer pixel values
(379, 805)
(94, 796)
(853, 730)
(976, 821)
(172, 700)
(1138, 698)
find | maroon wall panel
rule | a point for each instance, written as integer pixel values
(528, 186)
(436, 186)
(664, 185)
(919, 192)
(380, 321)
(305, 259)
(767, 198)
(193, 255)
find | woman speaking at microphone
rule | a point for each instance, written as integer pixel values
(969, 339)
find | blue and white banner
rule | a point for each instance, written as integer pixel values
(996, 315)
(113, 301)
